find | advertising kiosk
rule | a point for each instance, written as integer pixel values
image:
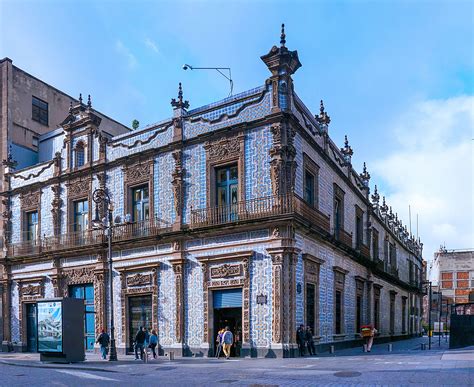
(61, 330)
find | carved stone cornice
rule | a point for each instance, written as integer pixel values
(225, 148)
(138, 173)
(79, 188)
(30, 200)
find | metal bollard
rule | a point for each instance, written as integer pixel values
(331, 349)
(389, 348)
(423, 346)
(364, 347)
(171, 355)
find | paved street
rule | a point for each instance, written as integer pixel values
(405, 365)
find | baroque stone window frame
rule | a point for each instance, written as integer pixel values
(136, 175)
(78, 190)
(392, 312)
(30, 202)
(127, 291)
(310, 166)
(210, 284)
(359, 292)
(25, 299)
(339, 285)
(312, 271)
(377, 299)
(224, 151)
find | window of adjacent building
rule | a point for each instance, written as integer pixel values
(338, 206)
(392, 313)
(359, 304)
(81, 215)
(39, 111)
(309, 187)
(404, 314)
(227, 182)
(31, 225)
(359, 227)
(393, 255)
(385, 250)
(377, 308)
(140, 203)
(375, 243)
(311, 306)
(80, 154)
(339, 280)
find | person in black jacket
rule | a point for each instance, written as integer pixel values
(140, 342)
(301, 339)
(103, 340)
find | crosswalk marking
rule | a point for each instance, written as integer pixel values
(85, 375)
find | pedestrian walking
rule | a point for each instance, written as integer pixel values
(368, 332)
(140, 342)
(219, 342)
(227, 341)
(153, 342)
(103, 340)
(310, 341)
(301, 339)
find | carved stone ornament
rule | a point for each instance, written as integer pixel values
(262, 299)
(31, 290)
(79, 188)
(139, 280)
(225, 148)
(138, 172)
(226, 270)
(30, 200)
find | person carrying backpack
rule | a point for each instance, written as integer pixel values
(103, 340)
(227, 341)
(140, 342)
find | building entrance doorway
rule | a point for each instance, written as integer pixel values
(228, 312)
(139, 315)
(31, 328)
(86, 293)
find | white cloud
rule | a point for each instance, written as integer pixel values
(432, 170)
(152, 45)
(123, 50)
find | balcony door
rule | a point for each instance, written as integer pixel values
(81, 215)
(227, 186)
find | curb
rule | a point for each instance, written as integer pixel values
(54, 367)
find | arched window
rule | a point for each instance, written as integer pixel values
(80, 154)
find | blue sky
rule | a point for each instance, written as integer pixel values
(385, 69)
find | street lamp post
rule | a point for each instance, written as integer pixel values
(100, 196)
(429, 313)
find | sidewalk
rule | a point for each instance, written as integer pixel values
(126, 363)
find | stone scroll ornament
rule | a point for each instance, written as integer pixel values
(139, 280)
(226, 270)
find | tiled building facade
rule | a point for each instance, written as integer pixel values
(243, 212)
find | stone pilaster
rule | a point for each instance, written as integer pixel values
(178, 188)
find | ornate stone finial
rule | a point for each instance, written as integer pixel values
(323, 118)
(384, 207)
(70, 107)
(282, 36)
(365, 176)
(179, 104)
(80, 98)
(390, 215)
(375, 197)
(89, 102)
(347, 150)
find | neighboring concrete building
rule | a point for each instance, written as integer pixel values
(243, 212)
(454, 273)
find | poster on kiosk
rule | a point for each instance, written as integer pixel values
(61, 330)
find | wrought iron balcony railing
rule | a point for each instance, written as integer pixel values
(88, 238)
(242, 211)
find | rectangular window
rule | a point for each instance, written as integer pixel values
(385, 251)
(81, 215)
(309, 188)
(338, 316)
(375, 243)
(31, 225)
(393, 255)
(39, 111)
(377, 308)
(404, 314)
(311, 306)
(140, 203)
(338, 206)
(358, 313)
(359, 227)
(392, 313)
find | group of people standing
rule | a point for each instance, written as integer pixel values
(144, 340)
(304, 339)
